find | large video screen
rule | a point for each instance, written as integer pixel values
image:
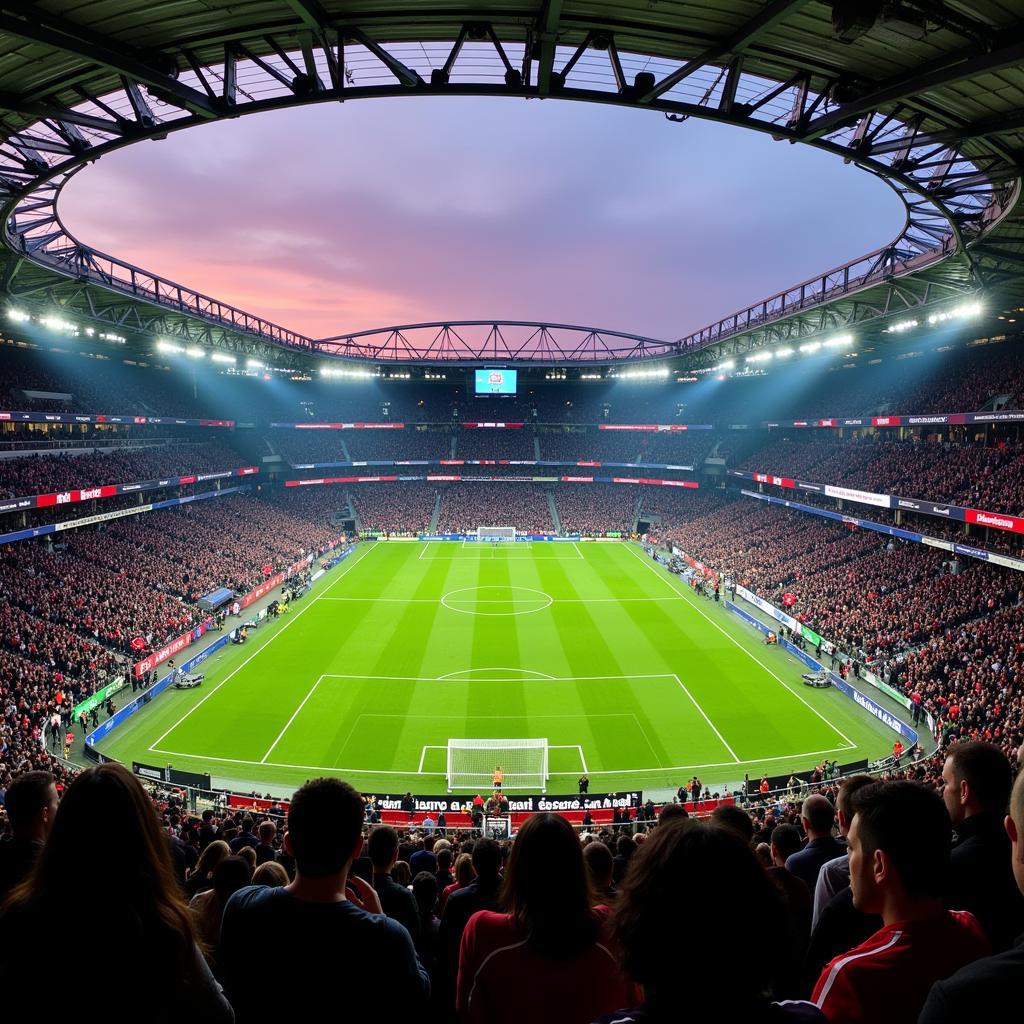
(496, 382)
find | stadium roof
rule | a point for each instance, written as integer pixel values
(929, 95)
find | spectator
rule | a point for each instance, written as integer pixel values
(201, 878)
(324, 931)
(424, 891)
(986, 989)
(230, 875)
(976, 780)
(31, 804)
(657, 895)
(270, 873)
(480, 894)
(550, 933)
(899, 863)
(624, 850)
(396, 901)
(817, 816)
(834, 875)
(600, 868)
(246, 837)
(140, 914)
(266, 851)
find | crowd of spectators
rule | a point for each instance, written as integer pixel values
(989, 477)
(395, 508)
(596, 509)
(42, 474)
(859, 902)
(495, 443)
(466, 506)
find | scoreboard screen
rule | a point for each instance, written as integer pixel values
(496, 382)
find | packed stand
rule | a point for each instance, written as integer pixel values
(466, 506)
(495, 443)
(394, 508)
(41, 474)
(596, 509)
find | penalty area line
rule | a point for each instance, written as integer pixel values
(353, 561)
(691, 601)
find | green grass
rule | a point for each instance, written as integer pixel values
(591, 646)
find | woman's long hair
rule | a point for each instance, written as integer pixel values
(547, 889)
(214, 853)
(106, 831)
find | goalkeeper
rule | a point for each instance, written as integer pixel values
(498, 778)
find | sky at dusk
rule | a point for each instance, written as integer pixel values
(337, 218)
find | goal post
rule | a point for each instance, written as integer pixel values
(523, 763)
(496, 534)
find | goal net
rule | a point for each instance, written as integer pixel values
(523, 764)
(496, 534)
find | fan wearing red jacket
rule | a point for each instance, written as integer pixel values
(548, 958)
(899, 844)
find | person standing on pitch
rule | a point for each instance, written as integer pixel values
(498, 778)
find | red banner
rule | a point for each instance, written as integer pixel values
(997, 520)
(69, 497)
(169, 650)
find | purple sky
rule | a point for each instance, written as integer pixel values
(335, 218)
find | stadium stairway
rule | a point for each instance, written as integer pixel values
(437, 507)
(554, 510)
(537, 456)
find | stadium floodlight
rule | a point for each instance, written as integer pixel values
(782, 353)
(344, 372)
(54, 323)
(839, 340)
(19, 316)
(169, 347)
(590, 376)
(727, 364)
(223, 357)
(961, 312)
(760, 357)
(655, 373)
(254, 364)
(901, 326)
(194, 352)
(810, 346)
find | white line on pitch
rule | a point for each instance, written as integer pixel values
(505, 600)
(381, 771)
(263, 760)
(729, 636)
(708, 720)
(423, 754)
(647, 739)
(583, 760)
(517, 679)
(353, 561)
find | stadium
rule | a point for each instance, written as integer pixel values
(442, 658)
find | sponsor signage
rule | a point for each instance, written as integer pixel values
(861, 497)
(339, 426)
(56, 417)
(997, 520)
(656, 428)
(76, 495)
(507, 426)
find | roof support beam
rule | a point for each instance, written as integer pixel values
(547, 36)
(747, 34)
(946, 71)
(29, 21)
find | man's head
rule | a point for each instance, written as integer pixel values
(325, 821)
(899, 844)
(731, 816)
(1015, 829)
(487, 859)
(267, 832)
(31, 802)
(785, 842)
(817, 815)
(598, 859)
(670, 812)
(976, 778)
(844, 801)
(382, 847)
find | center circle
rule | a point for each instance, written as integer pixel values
(497, 600)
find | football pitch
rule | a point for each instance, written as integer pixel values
(627, 674)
